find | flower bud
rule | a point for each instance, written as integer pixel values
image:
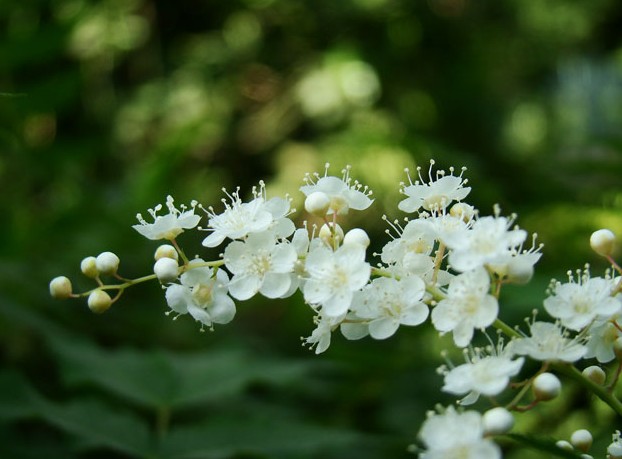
(617, 348)
(317, 203)
(107, 263)
(497, 421)
(166, 270)
(326, 233)
(357, 236)
(595, 374)
(60, 288)
(602, 242)
(88, 266)
(99, 301)
(546, 387)
(520, 271)
(565, 445)
(166, 251)
(581, 439)
(614, 450)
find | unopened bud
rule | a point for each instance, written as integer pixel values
(497, 421)
(166, 270)
(107, 263)
(546, 387)
(520, 271)
(99, 301)
(581, 439)
(602, 242)
(330, 234)
(595, 374)
(317, 203)
(88, 266)
(565, 445)
(60, 288)
(357, 236)
(614, 450)
(166, 251)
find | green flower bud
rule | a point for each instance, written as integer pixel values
(99, 301)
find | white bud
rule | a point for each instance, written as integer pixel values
(546, 386)
(166, 251)
(614, 450)
(107, 263)
(581, 439)
(60, 288)
(357, 236)
(595, 374)
(565, 445)
(99, 301)
(326, 233)
(317, 203)
(602, 242)
(497, 421)
(88, 266)
(166, 270)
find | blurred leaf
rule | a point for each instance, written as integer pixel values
(224, 437)
(17, 398)
(161, 379)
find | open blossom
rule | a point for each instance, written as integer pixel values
(387, 303)
(577, 304)
(548, 342)
(240, 219)
(482, 374)
(456, 435)
(203, 295)
(260, 264)
(333, 277)
(601, 336)
(321, 335)
(168, 226)
(468, 306)
(342, 193)
(436, 194)
(489, 241)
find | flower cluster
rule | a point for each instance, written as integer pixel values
(444, 264)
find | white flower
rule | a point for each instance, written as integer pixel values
(203, 295)
(260, 264)
(601, 337)
(387, 303)
(467, 306)
(435, 195)
(343, 194)
(456, 435)
(168, 226)
(321, 335)
(615, 448)
(577, 304)
(333, 277)
(482, 374)
(239, 219)
(489, 241)
(548, 342)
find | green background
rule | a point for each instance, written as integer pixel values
(108, 106)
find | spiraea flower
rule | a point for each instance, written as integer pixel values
(577, 303)
(202, 294)
(321, 336)
(455, 434)
(601, 336)
(239, 219)
(260, 264)
(168, 226)
(483, 374)
(343, 193)
(386, 303)
(548, 342)
(435, 195)
(489, 241)
(468, 306)
(334, 276)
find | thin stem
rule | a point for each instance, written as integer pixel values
(180, 251)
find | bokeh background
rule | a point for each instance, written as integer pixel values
(107, 106)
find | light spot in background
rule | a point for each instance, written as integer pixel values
(40, 130)
(526, 129)
(242, 31)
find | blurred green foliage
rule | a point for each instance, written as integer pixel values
(107, 106)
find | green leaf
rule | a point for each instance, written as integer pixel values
(17, 397)
(160, 379)
(223, 437)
